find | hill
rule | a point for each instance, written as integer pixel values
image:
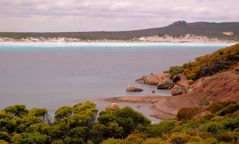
(225, 31)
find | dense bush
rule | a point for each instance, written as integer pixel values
(229, 109)
(226, 136)
(156, 130)
(215, 107)
(187, 113)
(179, 138)
(220, 60)
(78, 125)
(231, 123)
(121, 123)
(211, 127)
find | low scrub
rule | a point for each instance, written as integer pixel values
(208, 65)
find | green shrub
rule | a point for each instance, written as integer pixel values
(152, 141)
(211, 127)
(231, 123)
(159, 129)
(131, 139)
(73, 140)
(38, 112)
(213, 68)
(32, 138)
(211, 141)
(59, 141)
(125, 118)
(16, 110)
(215, 107)
(63, 112)
(4, 136)
(226, 136)
(229, 109)
(113, 141)
(3, 142)
(187, 113)
(179, 138)
(176, 70)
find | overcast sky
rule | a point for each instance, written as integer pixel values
(105, 15)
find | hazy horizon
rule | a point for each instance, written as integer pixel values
(109, 15)
(112, 30)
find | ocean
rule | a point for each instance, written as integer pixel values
(53, 75)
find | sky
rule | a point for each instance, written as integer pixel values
(109, 15)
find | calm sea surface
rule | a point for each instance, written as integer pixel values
(52, 75)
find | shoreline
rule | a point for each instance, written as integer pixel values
(164, 40)
(118, 43)
(151, 101)
(207, 90)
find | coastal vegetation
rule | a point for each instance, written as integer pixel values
(214, 124)
(208, 65)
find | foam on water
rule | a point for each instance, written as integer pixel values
(108, 44)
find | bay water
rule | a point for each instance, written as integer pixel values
(54, 75)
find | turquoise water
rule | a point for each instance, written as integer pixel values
(54, 75)
(106, 46)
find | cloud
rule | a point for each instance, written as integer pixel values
(87, 15)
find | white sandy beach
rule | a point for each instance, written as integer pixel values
(186, 40)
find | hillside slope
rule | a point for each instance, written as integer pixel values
(223, 86)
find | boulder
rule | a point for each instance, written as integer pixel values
(153, 79)
(190, 82)
(114, 107)
(177, 90)
(176, 78)
(183, 81)
(166, 83)
(133, 89)
(140, 80)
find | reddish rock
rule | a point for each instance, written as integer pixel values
(177, 90)
(154, 79)
(190, 82)
(166, 83)
(114, 107)
(133, 89)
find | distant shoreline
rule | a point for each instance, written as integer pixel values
(166, 39)
(116, 43)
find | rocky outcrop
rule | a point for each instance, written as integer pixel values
(133, 89)
(166, 83)
(178, 90)
(219, 87)
(183, 81)
(154, 79)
